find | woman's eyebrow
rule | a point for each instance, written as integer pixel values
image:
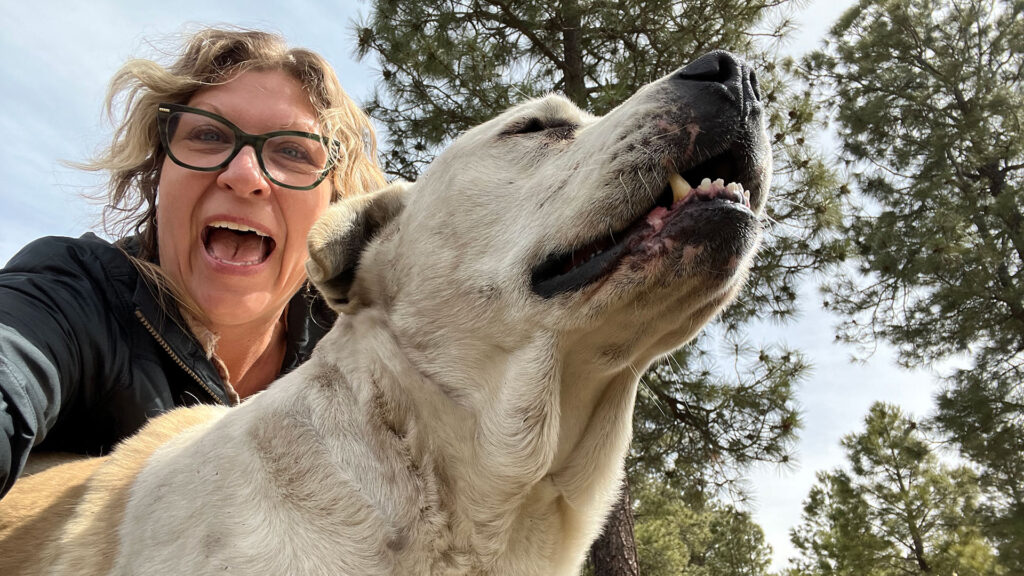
(314, 128)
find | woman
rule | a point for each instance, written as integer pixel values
(218, 168)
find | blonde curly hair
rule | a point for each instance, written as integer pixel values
(213, 56)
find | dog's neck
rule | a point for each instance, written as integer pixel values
(548, 439)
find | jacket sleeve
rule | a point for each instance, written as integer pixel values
(29, 401)
(52, 319)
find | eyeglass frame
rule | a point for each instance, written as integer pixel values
(242, 139)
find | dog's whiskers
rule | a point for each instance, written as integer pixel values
(650, 391)
(791, 202)
(667, 134)
(647, 187)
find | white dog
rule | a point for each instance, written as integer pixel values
(470, 411)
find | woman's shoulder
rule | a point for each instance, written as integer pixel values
(87, 264)
(88, 251)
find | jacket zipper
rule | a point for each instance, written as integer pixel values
(177, 360)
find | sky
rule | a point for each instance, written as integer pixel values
(56, 57)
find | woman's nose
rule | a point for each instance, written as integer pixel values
(243, 174)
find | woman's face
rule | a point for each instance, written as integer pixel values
(232, 238)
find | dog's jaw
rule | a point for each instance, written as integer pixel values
(667, 140)
(653, 235)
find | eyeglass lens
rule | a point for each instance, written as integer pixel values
(202, 142)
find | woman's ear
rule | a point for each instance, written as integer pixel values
(338, 239)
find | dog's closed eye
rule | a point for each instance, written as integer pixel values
(534, 124)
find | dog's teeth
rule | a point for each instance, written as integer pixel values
(680, 187)
(735, 189)
(719, 183)
(705, 185)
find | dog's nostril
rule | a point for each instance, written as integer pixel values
(726, 69)
(718, 66)
(754, 86)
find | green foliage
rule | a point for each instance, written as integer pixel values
(699, 427)
(447, 66)
(677, 538)
(897, 510)
(832, 537)
(982, 413)
(929, 101)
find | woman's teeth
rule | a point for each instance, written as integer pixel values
(234, 226)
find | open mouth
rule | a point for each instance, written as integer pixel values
(574, 269)
(237, 244)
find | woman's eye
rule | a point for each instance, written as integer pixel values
(295, 153)
(207, 134)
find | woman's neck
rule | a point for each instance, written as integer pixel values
(252, 354)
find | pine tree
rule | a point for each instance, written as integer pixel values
(677, 536)
(929, 99)
(698, 431)
(897, 510)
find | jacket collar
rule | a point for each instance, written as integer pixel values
(308, 318)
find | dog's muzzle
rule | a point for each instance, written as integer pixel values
(713, 178)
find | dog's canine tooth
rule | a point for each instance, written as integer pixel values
(680, 187)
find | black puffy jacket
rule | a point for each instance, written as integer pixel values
(87, 354)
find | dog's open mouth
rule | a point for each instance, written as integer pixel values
(235, 244)
(572, 270)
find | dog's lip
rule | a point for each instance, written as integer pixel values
(579, 267)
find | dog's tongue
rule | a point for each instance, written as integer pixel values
(236, 247)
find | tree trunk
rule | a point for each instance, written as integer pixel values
(614, 552)
(575, 86)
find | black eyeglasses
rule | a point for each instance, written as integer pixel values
(203, 141)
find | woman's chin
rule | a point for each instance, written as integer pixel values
(225, 310)
(237, 294)
(236, 300)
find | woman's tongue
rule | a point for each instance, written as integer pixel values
(240, 248)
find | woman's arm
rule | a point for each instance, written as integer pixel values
(29, 401)
(54, 312)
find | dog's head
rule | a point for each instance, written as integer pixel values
(625, 233)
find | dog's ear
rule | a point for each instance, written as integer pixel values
(338, 239)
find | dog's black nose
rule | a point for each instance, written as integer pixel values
(724, 68)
